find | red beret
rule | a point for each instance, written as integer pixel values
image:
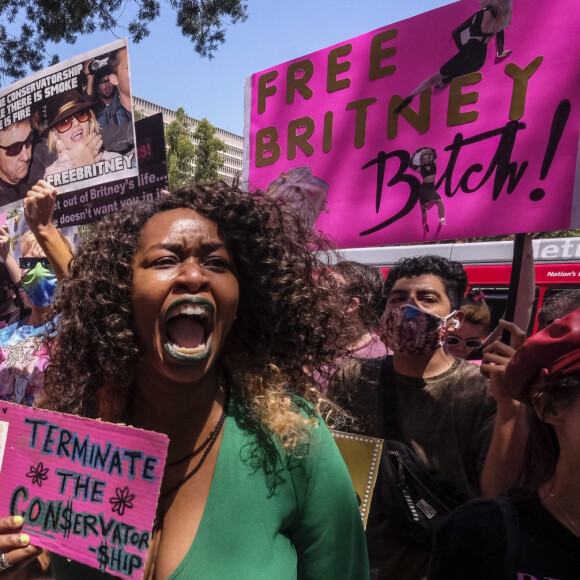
(555, 349)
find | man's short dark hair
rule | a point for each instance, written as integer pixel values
(451, 273)
(558, 305)
(103, 72)
(365, 283)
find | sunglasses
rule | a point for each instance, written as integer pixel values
(469, 343)
(30, 263)
(64, 125)
(15, 149)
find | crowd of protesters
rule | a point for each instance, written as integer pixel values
(209, 325)
(225, 321)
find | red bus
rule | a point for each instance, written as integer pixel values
(488, 266)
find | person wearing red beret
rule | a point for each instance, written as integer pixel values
(535, 532)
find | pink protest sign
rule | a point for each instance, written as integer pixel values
(487, 143)
(86, 489)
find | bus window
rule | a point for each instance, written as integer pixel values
(496, 299)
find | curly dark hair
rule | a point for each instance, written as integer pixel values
(542, 449)
(558, 305)
(286, 318)
(365, 283)
(451, 273)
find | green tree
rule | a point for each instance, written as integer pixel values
(24, 48)
(180, 150)
(208, 161)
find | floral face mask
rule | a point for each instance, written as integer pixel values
(408, 330)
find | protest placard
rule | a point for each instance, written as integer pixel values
(71, 124)
(413, 147)
(86, 489)
(88, 205)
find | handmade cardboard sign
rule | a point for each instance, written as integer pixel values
(87, 490)
(361, 455)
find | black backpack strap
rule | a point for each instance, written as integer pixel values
(388, 390)
(512, 536)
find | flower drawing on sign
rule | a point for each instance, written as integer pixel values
(38, 474)
(123, 500)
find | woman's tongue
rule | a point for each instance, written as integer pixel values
(185, 332)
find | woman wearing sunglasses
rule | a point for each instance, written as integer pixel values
(17, 143)
(467, 340)
(73, 133)
(471, 333)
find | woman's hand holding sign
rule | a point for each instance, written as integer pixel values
(15, 549)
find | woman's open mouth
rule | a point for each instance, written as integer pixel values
(188, 327)
(77, 136)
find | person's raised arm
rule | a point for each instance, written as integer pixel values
(501, 467)
(6, 255)
(38, 211)
(90, 89)
(499, 43)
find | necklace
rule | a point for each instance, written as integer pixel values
(208, 444)
(565, 514)
(194, 452)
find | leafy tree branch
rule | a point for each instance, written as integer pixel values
(27, 27)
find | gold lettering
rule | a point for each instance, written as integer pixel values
(458, 99)
(360, 122)
(264, 90)
(420, 121)
(520, 90)
(267, 142)
(298, 84)
(335, 68)
(327, 132)
(379, 54)
(300, 141)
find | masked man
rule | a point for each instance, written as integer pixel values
(438, 405)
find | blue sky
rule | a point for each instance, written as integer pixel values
(167, 71)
